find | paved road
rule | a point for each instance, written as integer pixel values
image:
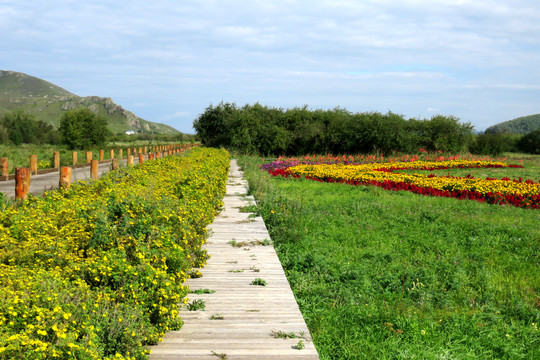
(42, 182)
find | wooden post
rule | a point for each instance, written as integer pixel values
(140, 150)
(5, 167)
(94, 169)
(150, 156)
(101, 155)
(33, 163)
(22, 183)
(141, 158)
(114, 165)
(65, 177)
(146, 149)
(56, 159)
(130, 160)
(88, 156)
(112, 154)
(120, 153)
(128, 152)
(74, 156)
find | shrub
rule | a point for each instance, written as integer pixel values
(97, 271)
(530, 143)
(493, 144)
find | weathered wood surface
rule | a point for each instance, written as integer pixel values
(250, 313)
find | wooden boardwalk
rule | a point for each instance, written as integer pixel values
(240, 321)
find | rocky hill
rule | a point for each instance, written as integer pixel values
(47, 102)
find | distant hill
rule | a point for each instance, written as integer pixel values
(522, 125)
(47, 102)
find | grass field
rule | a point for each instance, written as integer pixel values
(382, 274)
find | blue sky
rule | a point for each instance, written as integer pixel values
(166, 61)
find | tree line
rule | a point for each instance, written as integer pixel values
(264, 130)
(79, 129)
(260, 129)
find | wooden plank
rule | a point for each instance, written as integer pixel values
(251, 314)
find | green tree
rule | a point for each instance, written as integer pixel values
(213, 126)
(530, 143)
(20, 127)
(81, 128)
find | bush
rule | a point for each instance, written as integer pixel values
(493, 144)
(530, 143)
(97, 271)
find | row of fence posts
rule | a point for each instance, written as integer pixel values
(23, 175)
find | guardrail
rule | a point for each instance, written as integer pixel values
(23, 175)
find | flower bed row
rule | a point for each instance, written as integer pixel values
(286, 162)
(497, 191)
(96, 272)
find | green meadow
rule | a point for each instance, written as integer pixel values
(391, 274)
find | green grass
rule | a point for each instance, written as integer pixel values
(382, 275)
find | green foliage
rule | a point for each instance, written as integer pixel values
(263, 130)
(81, 129)
(259, 282)
(521, 126)
(197, 304)
(97, 271)
(530, 143)
(18, 128)
(493, 144)
(384, 275)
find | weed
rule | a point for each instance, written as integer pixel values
(264, 242)
(217, 317)
(221, 356)
(299, 346)
(202, 291)
(254, 269)
(197, 304)
(236, 271)
(259, 282)
(287, 335)
(249, 209)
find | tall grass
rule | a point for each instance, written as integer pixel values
(381, 275)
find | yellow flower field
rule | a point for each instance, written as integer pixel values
(96, 272)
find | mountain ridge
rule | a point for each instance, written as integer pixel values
(47, 102)
(521, 125)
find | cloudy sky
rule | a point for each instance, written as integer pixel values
(168, 60)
